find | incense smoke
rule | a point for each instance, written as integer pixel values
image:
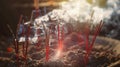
(81, 10)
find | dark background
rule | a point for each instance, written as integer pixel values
(10, 14)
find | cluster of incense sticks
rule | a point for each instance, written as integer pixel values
(60, 42)
(16, 44)
(25, 44)
(89, 45)
(26, 34)
(36, 5)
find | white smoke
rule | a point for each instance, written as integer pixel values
(80, 10)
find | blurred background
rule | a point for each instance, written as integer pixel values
(79, 11)
(10, 11)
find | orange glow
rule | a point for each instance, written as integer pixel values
(36, 4)
(9, 49)
(51, 2)
(59, 50)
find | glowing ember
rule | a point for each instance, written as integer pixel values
(60, 43)
(59, 51)
(9, 49)
(57, 55)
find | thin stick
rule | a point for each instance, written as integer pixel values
(46, 42)
(23, 46)
(18, 26)
(16, 40)
(27, 42)
(87, 32)
(11, 31)
(13, 35)
(98, 28)
(58, 33)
